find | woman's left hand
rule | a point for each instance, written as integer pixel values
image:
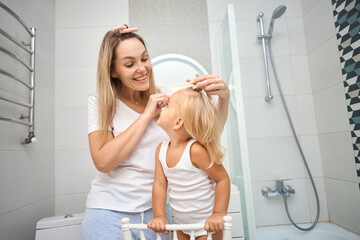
(212, 84)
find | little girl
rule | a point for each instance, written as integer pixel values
(199, 186)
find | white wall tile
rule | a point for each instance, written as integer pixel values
(21, 175)
(86, 13)
(254, 80)
(275, 158)
(45, 82)
(311, 149)
(302, 82)
(320, 187)
(47, 8)
(78, 46)
(70, 203)
(71, 128)
(74, 171)
(325, 72)
(338, 156)
(271, 211)
(269, 119)
(306, 113)
(330, 108)
(293, 8)
(306, 6)
(319, 24)
(343, 200)
(21, 222)
(296, 36)
(214, 28)
(74, 85)
(253, 77)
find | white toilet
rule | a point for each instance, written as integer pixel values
(59, 227)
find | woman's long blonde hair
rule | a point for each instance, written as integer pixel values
(201, 121)
(107, 86)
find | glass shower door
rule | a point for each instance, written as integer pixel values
(235, 139)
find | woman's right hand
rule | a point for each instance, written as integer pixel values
(158, 225)
(155, 103)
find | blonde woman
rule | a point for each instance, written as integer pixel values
(123, 134)
(190, 163)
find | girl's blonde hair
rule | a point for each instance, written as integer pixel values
(201, 121)
(107, 86)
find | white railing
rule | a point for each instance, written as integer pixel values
(126, 227)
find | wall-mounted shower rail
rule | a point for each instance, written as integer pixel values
(29, 48)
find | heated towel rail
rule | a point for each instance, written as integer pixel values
(24, 119)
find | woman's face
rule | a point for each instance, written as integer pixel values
(132, 65)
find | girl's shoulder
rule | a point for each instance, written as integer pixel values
(199, 155)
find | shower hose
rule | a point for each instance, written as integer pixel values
(300, 150)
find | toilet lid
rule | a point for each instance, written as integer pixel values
(60, 221)
(172, 70)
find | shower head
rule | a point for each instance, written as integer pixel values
(278, 12)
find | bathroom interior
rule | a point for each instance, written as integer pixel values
(317, 64)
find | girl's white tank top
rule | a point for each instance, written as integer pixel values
(191, 190)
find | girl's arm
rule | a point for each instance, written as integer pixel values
(200, 157)
(159, 198)
(117, 149)
(214, 85)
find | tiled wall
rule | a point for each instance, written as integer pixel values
(80, 27)
(176, 27)
(27, 171)
(336, 147)
(347, 24)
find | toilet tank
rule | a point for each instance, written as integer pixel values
(59, 227)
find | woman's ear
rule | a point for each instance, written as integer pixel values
(114, 74)
(178, 124)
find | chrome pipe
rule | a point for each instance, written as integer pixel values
(16, 102)
(3, 72)
(14, 120)
(20, 44)
(3, 6)
(16, 58)
(263, 37)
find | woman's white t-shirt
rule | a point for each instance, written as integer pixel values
(128, 187)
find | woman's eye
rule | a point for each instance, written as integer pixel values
(144, 59)
(129, 65)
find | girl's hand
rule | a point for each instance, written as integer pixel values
(154, 105)
(214, 223)
(158, 225)
(212, 84)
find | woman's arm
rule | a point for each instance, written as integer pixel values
(214, 85)
(159, 197)
(116, 149)
(218, 174)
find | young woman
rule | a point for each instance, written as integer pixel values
(123, 134)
